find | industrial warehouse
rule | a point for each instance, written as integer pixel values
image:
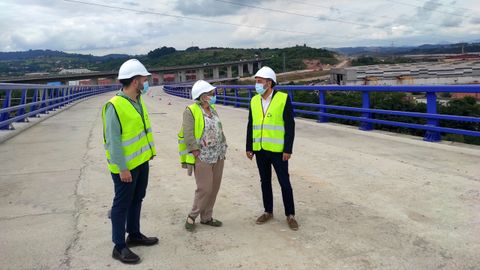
(425, 73)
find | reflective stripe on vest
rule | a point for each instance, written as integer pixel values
(268, 129)
(185, 156)
(137, 138)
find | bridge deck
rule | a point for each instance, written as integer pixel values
(363, 200)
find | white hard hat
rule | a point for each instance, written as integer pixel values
(200, 87)
(132, 68)
(266, 73)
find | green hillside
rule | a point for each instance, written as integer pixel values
(21, 63)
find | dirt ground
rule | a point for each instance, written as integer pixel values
(364, 200)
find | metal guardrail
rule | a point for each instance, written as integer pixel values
(240, 96)
(20, 101)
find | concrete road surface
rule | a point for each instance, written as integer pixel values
(364, 200)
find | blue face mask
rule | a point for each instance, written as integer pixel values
(146, 87)
(212, 100)
(259, 88)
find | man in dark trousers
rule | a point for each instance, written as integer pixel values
(128, 141)
(270, 134)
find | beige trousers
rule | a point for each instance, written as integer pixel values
(208, 178)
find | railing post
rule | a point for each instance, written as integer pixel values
(322, 101)
(57, 95)
(44, 99)
(78, 92)
(51, 96)
(224, 96)
(290, 94)
(366, 126)
(6, 103)
(60, 96)
(236, 98)
(432, 136)
(69, 94)
(23, 101)
(72, 93)
(64, 97)
(54, 96)
(34, 99)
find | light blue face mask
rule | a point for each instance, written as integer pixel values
(259, 88)
(146, 87)
(212, 100)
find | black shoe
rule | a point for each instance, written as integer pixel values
(141, 240)
(125, 256)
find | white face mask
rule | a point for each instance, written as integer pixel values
(259, 88)
(145, 88)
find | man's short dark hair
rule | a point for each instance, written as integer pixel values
(273, 83)
(127, 82)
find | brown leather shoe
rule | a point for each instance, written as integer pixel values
(292, 223)
(264, 218)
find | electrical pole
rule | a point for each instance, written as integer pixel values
(284, 62)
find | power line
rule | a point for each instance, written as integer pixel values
(295, 14)
(443, 4)
(316, 17)
(187, 18)
(199, 19)
(327, 7)
(426, 8)
(356, 12)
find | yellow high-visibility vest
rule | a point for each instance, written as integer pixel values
(137, 138)
(268, 129)
(185, 156)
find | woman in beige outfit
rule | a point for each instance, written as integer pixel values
(208, 149)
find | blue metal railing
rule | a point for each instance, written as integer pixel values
(240, 96)
(20, 101)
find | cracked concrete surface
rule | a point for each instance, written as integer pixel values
(363, 200)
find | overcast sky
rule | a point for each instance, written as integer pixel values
(135, 27)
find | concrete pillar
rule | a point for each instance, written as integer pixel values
(183, 76)
(200, 74)
(250, 68)
(240, 70)
(259, 65)
(177, 77)
(216, 74)
(150, 80)
(94, 81)
(229, 72)
(160, 79)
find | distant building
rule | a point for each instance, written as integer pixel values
(169, 78)
(409, 74)
(105, 81)
(462, 95)
(85, 82)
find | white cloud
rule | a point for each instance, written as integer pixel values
(140, 26)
